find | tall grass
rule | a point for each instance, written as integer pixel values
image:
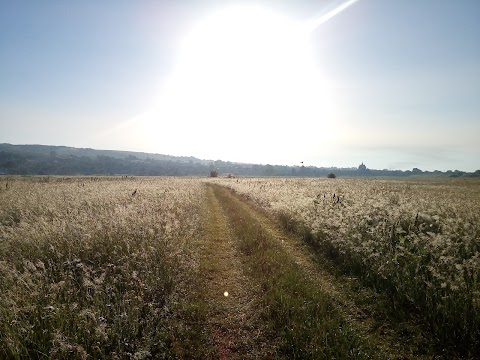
(416, 241)
(89, 271)
(302, 317)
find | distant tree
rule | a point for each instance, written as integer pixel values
(416, 171)
(213, 173)
(331, 176)
(302, 171)
(269, 170)
(11, 165)
(457, 173)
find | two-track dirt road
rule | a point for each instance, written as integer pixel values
(233, 317)
(243, 317)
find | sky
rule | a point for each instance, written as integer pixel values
(393, 84)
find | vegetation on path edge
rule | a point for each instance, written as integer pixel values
(302, 317)
(180, 268)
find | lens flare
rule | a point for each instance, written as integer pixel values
(326, 15)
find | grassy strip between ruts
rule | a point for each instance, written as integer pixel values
(302, 316)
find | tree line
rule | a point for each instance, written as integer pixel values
(50, 160)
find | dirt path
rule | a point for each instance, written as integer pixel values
(380, 335)
(232, 300)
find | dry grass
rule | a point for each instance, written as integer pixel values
(303, 320)
(418, 241)
(110, 268)
(88, 270)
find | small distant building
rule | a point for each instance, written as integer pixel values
(362, 168)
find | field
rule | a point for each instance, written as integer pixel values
(143, 268)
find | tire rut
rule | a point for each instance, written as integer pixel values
(233, 317)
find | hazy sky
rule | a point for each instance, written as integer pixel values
(394, 84)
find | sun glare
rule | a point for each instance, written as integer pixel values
(246, 78)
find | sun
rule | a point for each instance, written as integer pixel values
(245, 74)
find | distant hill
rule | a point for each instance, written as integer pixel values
(63, 160)
(67, 151)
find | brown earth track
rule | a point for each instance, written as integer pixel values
(232, 321)
(380, 334)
